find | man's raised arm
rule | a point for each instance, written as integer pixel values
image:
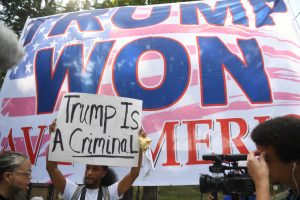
(129, 179)
(57, 178)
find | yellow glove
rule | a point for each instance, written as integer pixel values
(144, 140)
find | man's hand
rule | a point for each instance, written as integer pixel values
(52, 127)
(257, 167)
(259, 171)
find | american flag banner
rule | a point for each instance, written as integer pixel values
(207, 72)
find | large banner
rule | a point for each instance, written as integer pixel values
(207, 72)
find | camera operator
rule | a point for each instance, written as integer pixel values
(278, 143)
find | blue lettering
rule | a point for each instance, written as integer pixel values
(32, 31)
(250, 76)
(263, 11)
(123, 17)
(87, 21)
(69, 64)
(176, 78)
(217, 16)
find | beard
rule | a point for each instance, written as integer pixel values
(91, 183)
(17, 194)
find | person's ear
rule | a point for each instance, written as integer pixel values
(104, 174)
(8, 176)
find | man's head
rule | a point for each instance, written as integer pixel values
(279, 138)
(15, 172)
(97, 175)
(93, 175)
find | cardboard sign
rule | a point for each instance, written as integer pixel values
(99, 130)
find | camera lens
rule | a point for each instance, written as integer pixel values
(204, 179)
(208, 183)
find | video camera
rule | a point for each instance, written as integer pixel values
(235, 179)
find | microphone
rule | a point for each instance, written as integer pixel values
(11, 51)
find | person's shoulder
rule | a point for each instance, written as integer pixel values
(113, 191)
(70, 183)
(70, 189)
(113, 187)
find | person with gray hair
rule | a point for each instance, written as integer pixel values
(15, 174)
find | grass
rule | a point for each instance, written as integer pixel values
(171, 193)
(178, 192)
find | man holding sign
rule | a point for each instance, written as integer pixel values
(98, 131)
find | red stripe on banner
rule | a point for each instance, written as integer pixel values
(281, 53)
(195, 77)
(154, 122)
(203, 28)
(268, 50)
(151, 56)
(286, 96)
(150, 81)
(21, 106)
(111, 57)
(284, 74)
(175, 14)
(192, 49)
(284, 57)
(107, 89)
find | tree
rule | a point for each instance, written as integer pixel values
(86, 5)
(15, 12)
(71, 6)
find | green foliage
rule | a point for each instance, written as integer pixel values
(86, 5)
(72, 5)
(166, 1)
(14, 13)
